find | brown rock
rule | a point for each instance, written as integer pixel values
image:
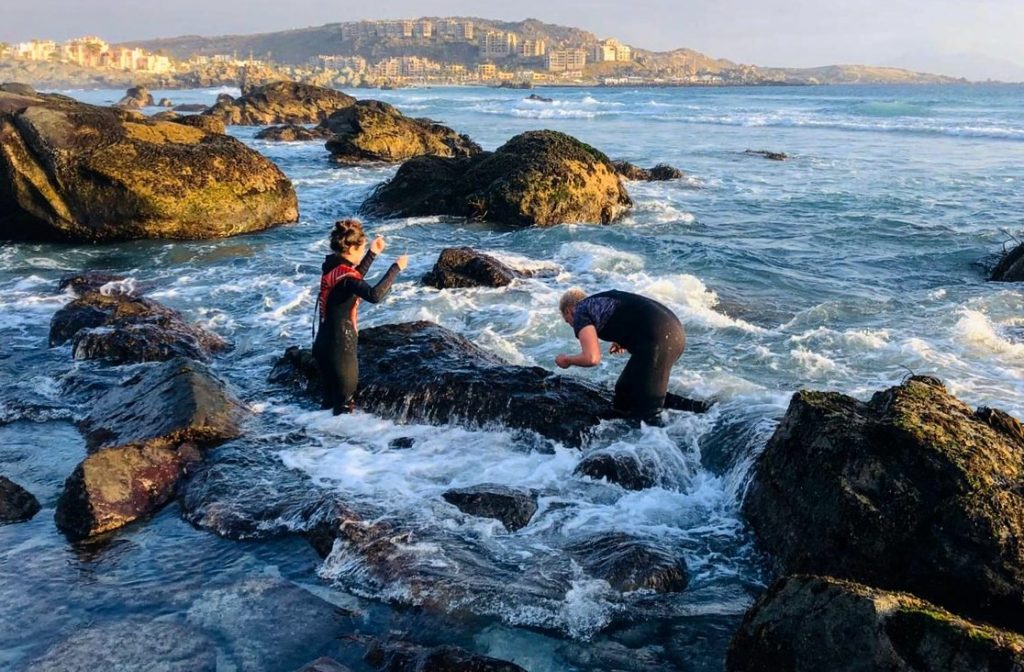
(280, 103)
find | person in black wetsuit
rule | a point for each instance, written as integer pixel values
(646, 329)
(342, 288)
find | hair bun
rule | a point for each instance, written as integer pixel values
(347, 233)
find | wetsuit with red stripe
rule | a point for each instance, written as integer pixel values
(341, 289)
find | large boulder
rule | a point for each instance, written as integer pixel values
(1011, 267)
(911, 491)
(71, 171)
(537, 178)
(16, 503)
(465, 267)
(811, 624)
(372, 131)
(628, 563)
(422, 372)
(136, 98)
(143, 437)
(280, 103)
(123, 328)
(202, 122)
(514, 507)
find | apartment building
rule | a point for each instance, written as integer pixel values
(564, 60)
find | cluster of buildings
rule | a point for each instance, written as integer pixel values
(453, 30)
(91, 52)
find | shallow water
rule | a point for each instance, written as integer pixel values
(858, 260)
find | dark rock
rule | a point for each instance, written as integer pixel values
(1011, 267)
(621, 468)
(771, 156)
(165, 102)
(514, 507)
(136, 98)
(539, 99)
(190, 107)
(71, 171)
(16, 503)
(122, 328)
(166, 115)
(659, 173)
(223, 98)
(810, 624)
(406, 657)
(324, 664)
(202, 122)
(372, 131)
(537, 178)
(628, 563)
(293, 133)
(90, 281)
(280, 103)
(402, 443)
(910, 491)
(465, 267)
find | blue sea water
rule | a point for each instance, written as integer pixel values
(861, 258)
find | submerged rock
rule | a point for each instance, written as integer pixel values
(324, 664)
(293, 133)
(16, 503)
(514, 507)
(465, 267)
(910, 491)
(1011, 267)
(811, 623)
(71, 171)
(539, 178)
(90, 281)
(628, 563)
(374, 131)
(122, 328)
(136, 98)
(771, 156)
(280, 103)
(659, 173)
(539, 99)
(406, 657)
(620, 468)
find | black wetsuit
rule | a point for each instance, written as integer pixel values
(650, 332)
(336, 342)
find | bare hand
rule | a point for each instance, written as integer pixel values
(616, 349)
(378, 245)
(562, 361)
(402, 262)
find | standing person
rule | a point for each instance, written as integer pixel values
(342, 288)
(646, 329)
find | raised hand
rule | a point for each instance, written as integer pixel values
(378, 245)
(402, 262)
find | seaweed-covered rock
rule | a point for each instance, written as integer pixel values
(280, 103)
(911, 491)
(811, 624)
(659, 173)
(539, 178)
(514, 507)
(293, 133)
(136, 98)
(621, 468)
(16, 503)
(71, 171)
(123, 328)
(202, 122)
(374, 131)
(465, 267)
(1011, 267)
(628, 563)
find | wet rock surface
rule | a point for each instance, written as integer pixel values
(619, 468)
(458, 267)
(372, 131)
(1011, 266)
(659, 173)
(324, 664)
(16, 503)
(202, 122)
(771, 156)
(124, 328)
(909, 491)
(280, 103)
(810, 623)
(293, 133)
(514, 507)
(628, 563)
(77, 172)
(405, 657)
(538, 178)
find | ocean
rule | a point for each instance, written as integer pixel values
(859, 260)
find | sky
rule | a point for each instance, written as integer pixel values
(792, 33)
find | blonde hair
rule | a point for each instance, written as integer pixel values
(570, 299)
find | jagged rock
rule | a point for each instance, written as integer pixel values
(374, 131)
(136, 98)
(406, 657)
(465, 267)
(539, 178)
(628, 563)
(122, 328)
(293, 133)
(90, 281)
(910, 491)
(810, 624)
(324, 664)
(72, 171)
(621, 468)
(771, 156)
(422, 372)
(402, 443)
(514, 507)
(1011, 267)
(16, 503)
(280, 103)
(539, 99)
(165, 102)
(659, 173)
(143, 437)
(202, 122)
(190, 107)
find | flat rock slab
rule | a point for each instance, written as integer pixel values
(514, 507)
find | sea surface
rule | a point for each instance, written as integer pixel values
(859, 260)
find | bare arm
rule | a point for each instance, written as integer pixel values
(591, 350)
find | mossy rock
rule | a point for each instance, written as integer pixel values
(280, 103)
